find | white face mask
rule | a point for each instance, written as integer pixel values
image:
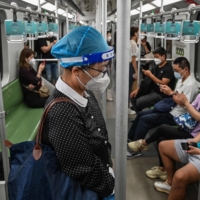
(157, 61)
(50, 34)
(142, 37)
(97, 84)
(31, 62)
(109, 38)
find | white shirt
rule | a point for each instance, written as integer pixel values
(71, 93)
(134, 50)
(190, 89)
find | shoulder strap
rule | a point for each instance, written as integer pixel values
(45, 113)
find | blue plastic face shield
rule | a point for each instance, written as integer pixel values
(91, 58)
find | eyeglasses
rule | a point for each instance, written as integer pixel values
(103, 72)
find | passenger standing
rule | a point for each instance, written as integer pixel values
(149, 119)
(45, 45)
(162, 74)
(133, 68)
(145, 49)
(78, 133)
(30, 79)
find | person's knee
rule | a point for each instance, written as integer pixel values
(162, 146)
(180, 178)
(163, 127)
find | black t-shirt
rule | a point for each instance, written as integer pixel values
(163, 72)
(46, 42)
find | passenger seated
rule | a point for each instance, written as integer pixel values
(162, 74)
(148, 119)
(30, 79)
(178, 181)
(166, 132)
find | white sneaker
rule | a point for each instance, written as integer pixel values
(131, 112)
(162, 186)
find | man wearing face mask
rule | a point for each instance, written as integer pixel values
(78, 132)
(149, 119)
(51, 67)
(162, 74)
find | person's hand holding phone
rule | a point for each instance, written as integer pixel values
(166, 89)
(147, 72)
(41, 67)
(180, 99)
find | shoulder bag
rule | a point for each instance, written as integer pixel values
(149, 56)
(35, 173)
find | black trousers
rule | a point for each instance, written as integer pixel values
(167, 132)
(34, 100)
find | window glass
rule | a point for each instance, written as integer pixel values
(197, 57)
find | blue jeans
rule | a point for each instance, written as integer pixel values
(51, 71)
(147, 120)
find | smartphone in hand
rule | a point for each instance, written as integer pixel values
(185, 145)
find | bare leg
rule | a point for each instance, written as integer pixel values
(168, 153)
(184, 176)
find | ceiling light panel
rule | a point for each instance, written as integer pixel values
(158, 2)
(35, 3)
(134, 12)
(147, 7)
(61, 11)
(69, 15)
(49, 6)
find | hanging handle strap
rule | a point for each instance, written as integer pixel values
(37, 151)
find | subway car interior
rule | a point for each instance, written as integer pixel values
(19, 123)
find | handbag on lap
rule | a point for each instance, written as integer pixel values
(186, 122)
(35, 173)
(165, 105)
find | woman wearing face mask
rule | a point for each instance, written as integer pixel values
(145, 49)
(30, 79)
(77, 131)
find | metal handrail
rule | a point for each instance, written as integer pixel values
(42, 59)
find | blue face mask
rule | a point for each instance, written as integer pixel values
(177, 75)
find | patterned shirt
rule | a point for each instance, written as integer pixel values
(80, 139)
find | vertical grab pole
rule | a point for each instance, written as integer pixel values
(57, 22)
(161, 10)
(139, 53)
(104, 33)
(67, 21)
(98, 27)
(6, 166)
(121, 123)
(39, 7)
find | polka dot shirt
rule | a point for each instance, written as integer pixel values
(80, 139)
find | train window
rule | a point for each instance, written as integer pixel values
(197, 58)
(1, 54)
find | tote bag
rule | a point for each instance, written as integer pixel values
(35, 173)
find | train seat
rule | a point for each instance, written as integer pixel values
(21, 121)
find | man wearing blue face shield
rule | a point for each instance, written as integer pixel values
(79, 135)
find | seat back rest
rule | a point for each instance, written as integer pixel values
(12, 95)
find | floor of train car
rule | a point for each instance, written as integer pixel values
(139, 186)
